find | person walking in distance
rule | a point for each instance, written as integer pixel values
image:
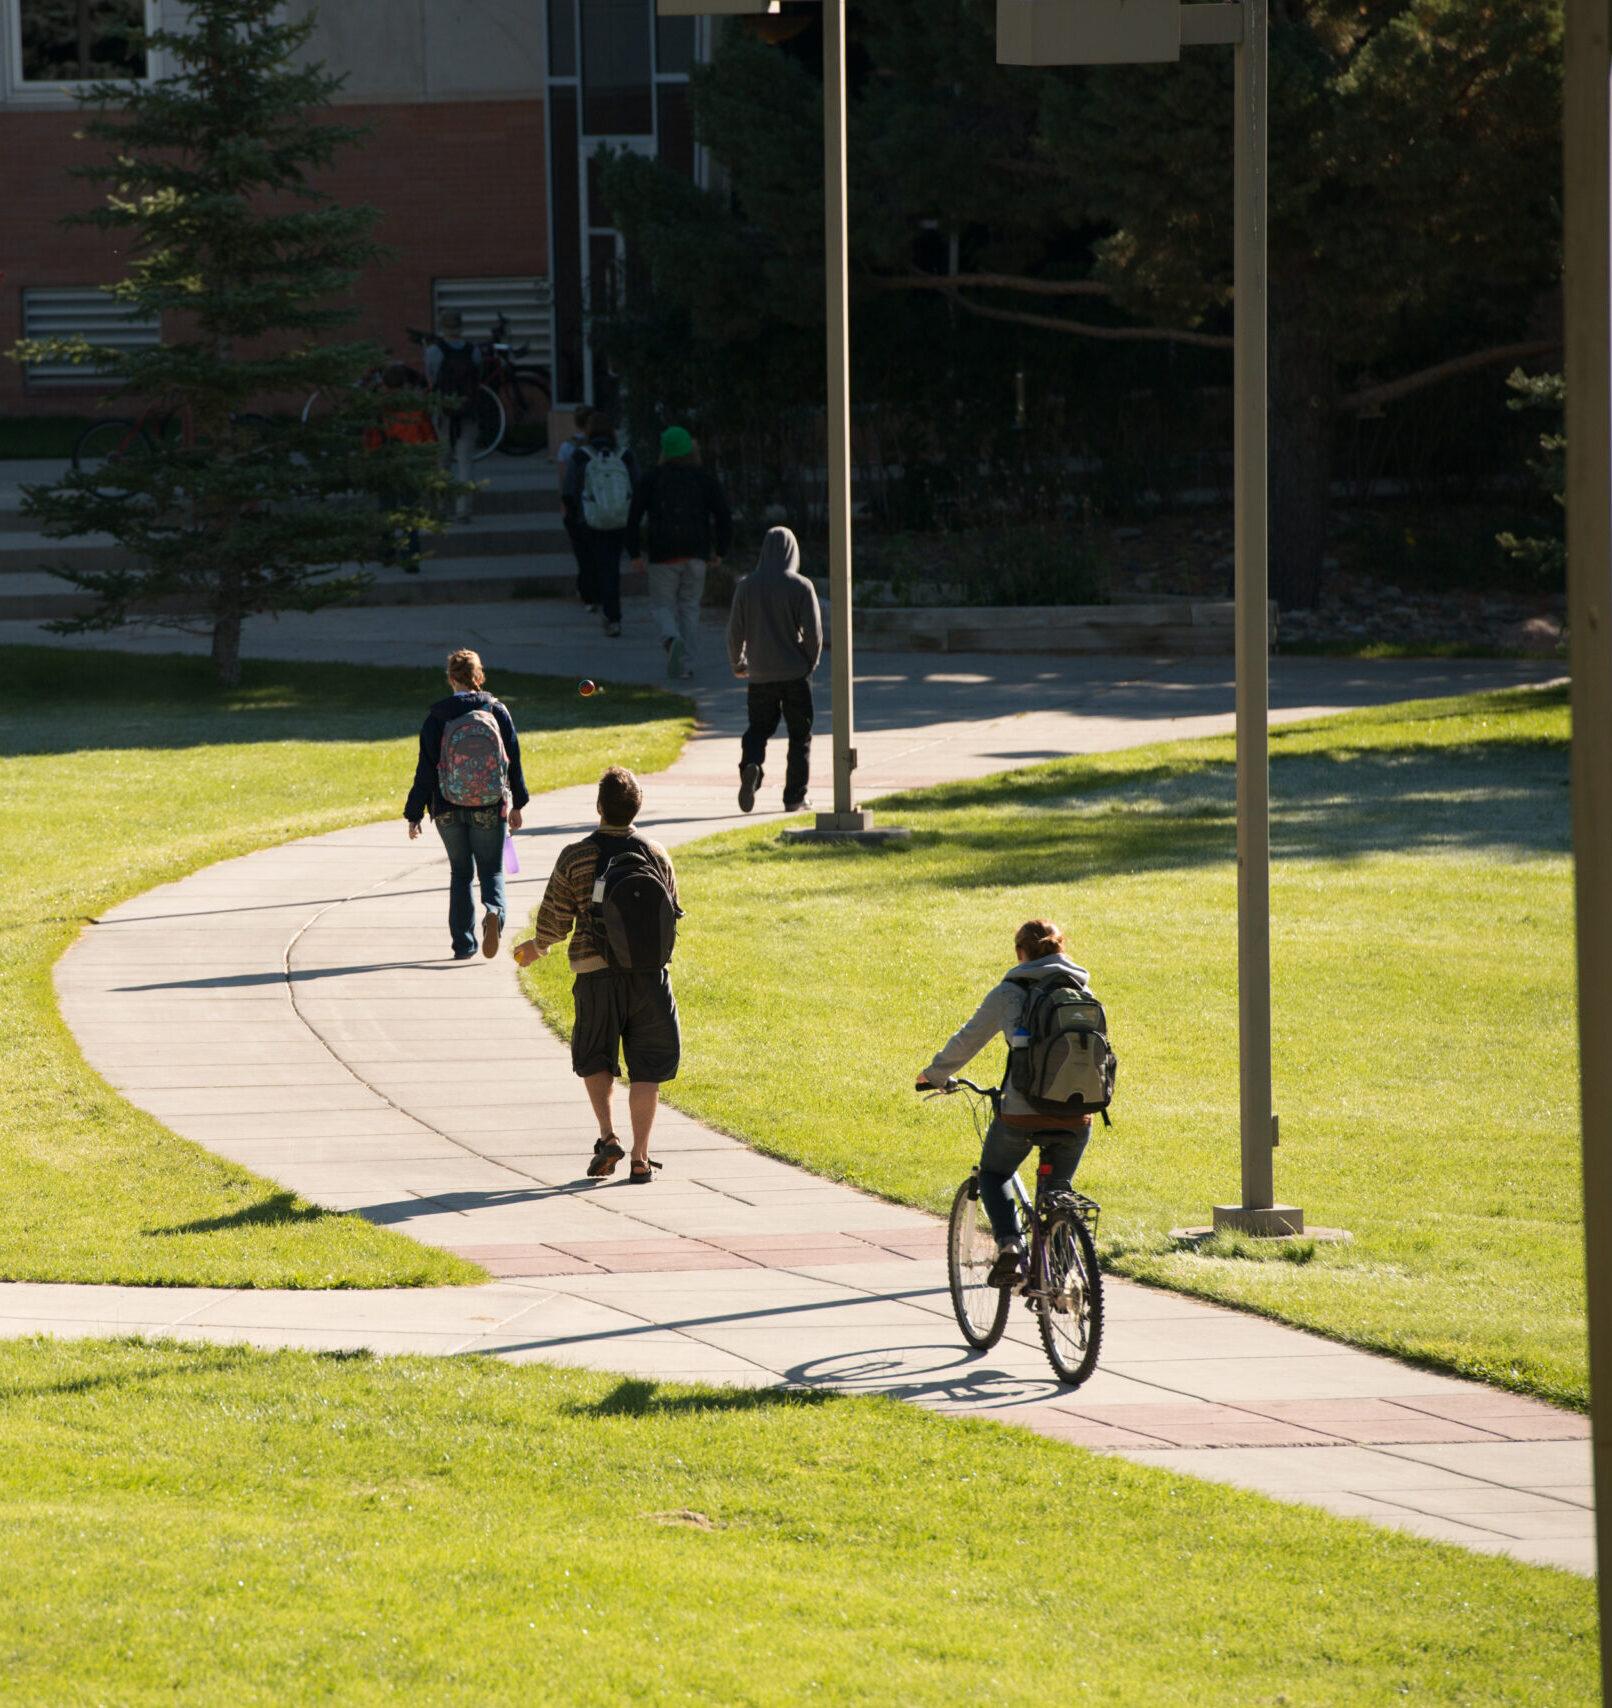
(568, 448)
(599, 484)
(468, 777)
(453, 372)
(614, 894)
(689, 527)
(775, 638)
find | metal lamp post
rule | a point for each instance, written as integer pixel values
(1586, 248)
(846, 821)
(1112, 32)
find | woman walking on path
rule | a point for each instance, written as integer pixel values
(598, 493)
(468, 778)
(690, 528)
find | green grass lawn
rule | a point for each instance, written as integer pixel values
(119, 773)
(201, 1525)
(1425, 1053)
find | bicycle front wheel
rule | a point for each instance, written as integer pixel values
(982, 1311)
(1070, 1310)
(108, 443)
(490, 421)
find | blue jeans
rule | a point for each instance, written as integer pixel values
(1004, 1153)
(474, 839)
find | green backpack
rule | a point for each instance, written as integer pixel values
(1064, 1065)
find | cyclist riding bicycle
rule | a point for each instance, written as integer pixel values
(1017, 1129)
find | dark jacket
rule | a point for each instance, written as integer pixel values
(687, 512)
(425, 797)
(775, 629)
(576, 465)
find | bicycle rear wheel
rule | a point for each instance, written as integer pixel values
(982, 1312)
(108, 443)
(526, 407)
(1071, 1315)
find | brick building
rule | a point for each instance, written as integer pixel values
(486, 115)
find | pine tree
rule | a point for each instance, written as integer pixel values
(212, 186)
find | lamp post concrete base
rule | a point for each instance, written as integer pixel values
(856, 826)
(1278, 1220)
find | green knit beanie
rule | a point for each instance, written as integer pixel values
(675, 442)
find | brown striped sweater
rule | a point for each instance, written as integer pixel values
(570, 891)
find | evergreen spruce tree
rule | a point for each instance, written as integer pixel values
(211, 183)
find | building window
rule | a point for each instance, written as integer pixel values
(87, 312)
(80, 41)
(617, 74)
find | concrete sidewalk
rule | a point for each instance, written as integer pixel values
(286, 1010)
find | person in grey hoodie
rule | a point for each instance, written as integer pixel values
(1017, 1129)
(775, 638)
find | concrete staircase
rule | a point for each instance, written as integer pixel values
(513, 548)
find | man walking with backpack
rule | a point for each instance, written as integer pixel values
(598, 493)
(775, 638)
(453, 372)
(690, 527)
(615, 894)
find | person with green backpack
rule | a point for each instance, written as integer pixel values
(1060, 1073)
(600, 481)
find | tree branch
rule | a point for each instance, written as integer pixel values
(996, 282)
(1371, 397)
(1110, 334)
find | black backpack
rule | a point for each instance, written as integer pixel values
(633, 915)
(1065, 1067)
(678, 515)
(457, 376)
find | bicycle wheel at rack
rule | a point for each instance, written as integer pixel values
(108, 443)
(982, 1312)
(490, 422)
(526, 409)
(1071, 1318)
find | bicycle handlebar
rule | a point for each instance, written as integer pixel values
(953, 1086)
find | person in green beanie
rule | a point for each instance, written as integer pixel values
(680, 520)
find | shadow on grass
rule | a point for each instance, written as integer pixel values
(279, 1209)
(633, 1397)
(172, 701)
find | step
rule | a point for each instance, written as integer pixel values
(24, 553)
(441, 581)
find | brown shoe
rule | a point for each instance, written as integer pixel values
(492, 928)
(641, 1173)
(606, 1154)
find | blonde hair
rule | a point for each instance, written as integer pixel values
(464, 668)
(1038, 937)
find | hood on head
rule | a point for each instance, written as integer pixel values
(780, 553)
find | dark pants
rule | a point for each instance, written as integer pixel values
(619, 1012)
(1004, 1154)
(601, 550)
(573, 532)
(791, 701)
(474, 839)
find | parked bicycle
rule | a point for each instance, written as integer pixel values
(1064, 1290)
(524, 390)
(116, 440)
(489, 412)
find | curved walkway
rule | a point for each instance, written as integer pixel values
(291, 1011)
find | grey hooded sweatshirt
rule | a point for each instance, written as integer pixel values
(999, 1013)
(775, 629)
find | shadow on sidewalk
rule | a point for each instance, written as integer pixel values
(298, 975)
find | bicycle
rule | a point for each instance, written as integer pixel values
(119, 439)
(526, 427)
(1065, 1287)
(488, 411)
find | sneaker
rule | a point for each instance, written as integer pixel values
(612, 630)
(464, 954)
(749, 781)
(492, 928)
(674, 659)
(1008, 1269)
(804, 804)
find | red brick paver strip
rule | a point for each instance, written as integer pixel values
(720, 1270)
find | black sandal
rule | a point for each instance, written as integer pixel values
(640, 1174)
(606, 1154)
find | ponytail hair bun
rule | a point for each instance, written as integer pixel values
(464, 668)
(1037, 938)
